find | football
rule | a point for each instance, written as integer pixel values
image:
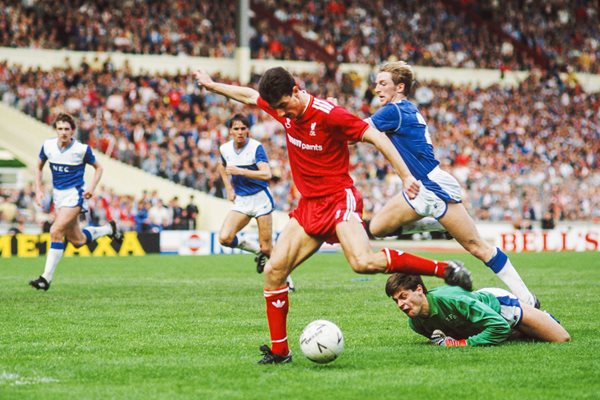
(321, 341)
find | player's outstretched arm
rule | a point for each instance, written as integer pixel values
(242, 94)
(385, 146)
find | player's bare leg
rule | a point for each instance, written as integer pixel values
(395, 213)
(539, 325)
(73, 233)
(293, 247)
(233, 223)
(355, 244)
(265, 238)
(461, 226)
(265, 233)
(357, 248)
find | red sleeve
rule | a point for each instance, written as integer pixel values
(346, 125)
(263, 105)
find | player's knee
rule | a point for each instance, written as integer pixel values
(564, 337)
(275, 274)
(226, 240)
(57, 233)
(265, 249)
(78, 242)
(361, 264)
(374, 232)
(56, 229)
(375, 228)
(560, 335)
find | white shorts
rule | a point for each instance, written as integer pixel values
(255, 205)
(430, 204)
(510, 307)
(72, 197)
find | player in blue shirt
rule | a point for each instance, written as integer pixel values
(440, 193)
(245, 160)
(67, 158)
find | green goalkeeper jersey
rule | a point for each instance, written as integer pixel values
(474, 316)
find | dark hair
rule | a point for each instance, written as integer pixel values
(64, 117)
(274, 84)
(400, 281)
(241, 118)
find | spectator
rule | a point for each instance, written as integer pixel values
(191, 214)
(177, 214)
(158, 216)
(142, 222)
(547, 222)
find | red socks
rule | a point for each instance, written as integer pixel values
(278, 303)
(277, 310)
(399, 261)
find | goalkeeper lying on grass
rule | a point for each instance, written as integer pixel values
(452, 316)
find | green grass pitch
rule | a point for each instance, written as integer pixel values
(169, 327)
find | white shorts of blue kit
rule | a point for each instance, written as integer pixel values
(72, 197)
(510, 307)
(435, 194)
(254, 205)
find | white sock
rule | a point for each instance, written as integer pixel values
(249, 245)
(53, 257)
(97, 231)
(515, 284)
(290, 283)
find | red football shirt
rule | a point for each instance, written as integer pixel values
(317, 145)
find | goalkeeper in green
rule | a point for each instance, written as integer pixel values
(452, 316)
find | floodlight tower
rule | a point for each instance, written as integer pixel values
(242, 52)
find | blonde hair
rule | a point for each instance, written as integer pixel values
(401, 73)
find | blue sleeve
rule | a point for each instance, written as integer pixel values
(89, 157)
(387, 118)
(43, 155)
(223, 160)
(261, 155)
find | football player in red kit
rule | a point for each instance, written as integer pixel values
(330, 209)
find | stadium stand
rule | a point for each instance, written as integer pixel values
(545, 160)
(119, 179)
(199, 28)
(561, 33)
(414, 31)
(467, 34)
(165, 126)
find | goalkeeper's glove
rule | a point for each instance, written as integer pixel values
(439, 338)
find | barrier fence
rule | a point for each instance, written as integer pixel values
(206, 243)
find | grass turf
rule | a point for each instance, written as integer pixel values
(168, 327)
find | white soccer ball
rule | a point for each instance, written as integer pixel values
(321, 341)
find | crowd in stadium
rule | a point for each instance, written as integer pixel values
(147, 212)
(566, 32)
(440, 33)
(200, 28)
(414, 31)
(520, 153)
